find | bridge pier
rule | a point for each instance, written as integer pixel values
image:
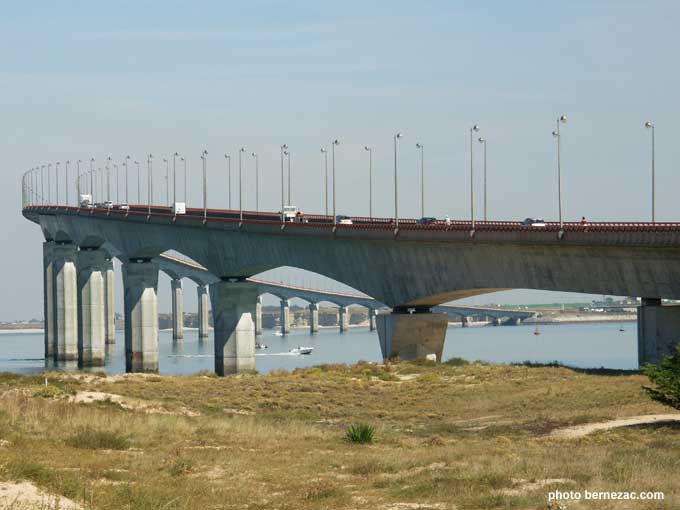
(496, 321)
(91, 334)
(177, 312)
(203, 318)
(285, 317)
(412, 335)
(65, 292)
(233, 304)
(372, 313)
(343, 318)
(140, 279)
(313, 318)
(658, 330)
(109, 303)
(465, 321)
(48, 298)
(258, 316)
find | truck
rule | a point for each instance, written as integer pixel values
(85, 201)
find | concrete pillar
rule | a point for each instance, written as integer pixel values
(658, 330)
(177, 313)
(65, 292)
(233, 304)
(109, 304)
(372, 313)
(464, 321)
(412, 336)
(285, 316)
(140, 279)
(203, 308)
(497, 321)
(48, 298)
(258, 316)
(343, 318)
(91, 330)
(313, 318)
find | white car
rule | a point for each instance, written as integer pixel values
(343, 220)
(108, 204)
(533, 222)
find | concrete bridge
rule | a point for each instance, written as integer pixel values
(411, 269)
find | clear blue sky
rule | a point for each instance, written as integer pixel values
(82, 79)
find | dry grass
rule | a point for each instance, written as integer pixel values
(474, 436)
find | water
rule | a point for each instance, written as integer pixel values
(578, 345)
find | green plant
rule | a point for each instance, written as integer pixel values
(360, 433)
(92, 439)
(666, 379)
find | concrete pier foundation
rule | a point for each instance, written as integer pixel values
(285, 316)
(233, 304)
(258, 316)
(48, 298)
(658, 330)
(91, 331)
(203, 307)
(372, 313)
(140, 279)
(65, 292)
(343, 318)
(177, 313)
(412, 336)
(109, 303)
(313, 318)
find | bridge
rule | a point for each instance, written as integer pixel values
(409, 267)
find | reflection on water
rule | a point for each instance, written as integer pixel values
(580, 345)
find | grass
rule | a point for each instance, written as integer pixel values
(360, 433)
(463, 434)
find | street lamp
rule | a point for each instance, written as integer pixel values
(422, 179)
(483, 141)
(42, 184)
(370, 180)
(473, 130)
(184, 162)
(167, 180)
(288, 157)
(325, 158)
(257, 183)
(204, 157)
(126, 163)
(56, 180)
(66, 180)
(174, 178)
(228, 158)
(115, 167)
(562, 119)
(108, 180)
(650, 125)
(240, 185)
(283, 216)
(49, 183)
(78, 182)
(139, 183)
(92, 179)
(333, 145)
(397, 136)
(149, 177)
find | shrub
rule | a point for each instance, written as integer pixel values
(457, 362)
(92, 439)
(360, 433)
(666, 379)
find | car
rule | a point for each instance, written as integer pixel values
(533, 222)
(343, 220)
(86, 201)
(427, 221)
(108, 204)
(123, 207)
(290, 212)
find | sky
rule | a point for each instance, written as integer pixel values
(94, 79)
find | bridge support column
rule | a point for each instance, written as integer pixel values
(203, 318)
(258, 316)
(140, 279)
(65, 292)
(372, 313)
(91, 274)
(343, 318)
(658, 330)
(313, 318)
(412, 335)
(496, 322)
(109, 304)
(48, 298)
(285, 316)
(233, 304)
(177, 312)
(465, 321)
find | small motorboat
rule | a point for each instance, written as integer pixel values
(259, 345)
(301, 350)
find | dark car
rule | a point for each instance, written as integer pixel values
(427, 221)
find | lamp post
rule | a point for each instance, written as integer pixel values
(422, 179)
(257, 183)
(115, 167)
(397, 136)
(562, 119)
(473, 130)
(288, 157)
(42, 184)
(204, 157)
(78, 182)
(167, 180)
(139, 183)
(483, 141)
(92, 179)
(370, 180)
(184, 162)
(283, 216)
(49, 183)
(650, 125)
(228, 158)
(149, 178)
(240, 185)
(174, 177)
(56, 182)
(108, 179)
(325, 158)
(126, 163)
(66, 180)
(333, 145)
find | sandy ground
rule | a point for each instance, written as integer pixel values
(25, 495)
(588, 428)
(88, 397)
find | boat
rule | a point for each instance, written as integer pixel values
(259, 345)
(301, 350)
